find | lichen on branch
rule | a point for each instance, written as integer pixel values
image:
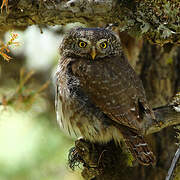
(158, 21)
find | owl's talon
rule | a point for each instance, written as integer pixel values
(79, 154)
(100, 157)
(74, 159)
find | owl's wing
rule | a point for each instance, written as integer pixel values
(113, 86)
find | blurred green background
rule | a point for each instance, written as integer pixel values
(32, 146)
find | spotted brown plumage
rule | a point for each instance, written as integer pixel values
(99, 95)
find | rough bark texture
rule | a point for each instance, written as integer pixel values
(155, 20)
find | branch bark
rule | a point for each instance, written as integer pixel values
(165, 116)
(157, 21)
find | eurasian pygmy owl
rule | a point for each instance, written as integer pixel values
(98, 94)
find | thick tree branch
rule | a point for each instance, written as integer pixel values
(156, 20)
(165, 116)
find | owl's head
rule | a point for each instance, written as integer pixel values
(90, 43)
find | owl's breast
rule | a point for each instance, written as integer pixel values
(92, 70)
(79, 118)
(77, 115)
(98, 77)
(113, 86)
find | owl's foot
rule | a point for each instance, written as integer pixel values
(99, 159)
(85, 153)
(74, 159)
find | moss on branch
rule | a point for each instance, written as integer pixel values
(158, 21)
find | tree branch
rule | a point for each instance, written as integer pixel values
(174, 165)
(157, 21)
(165, 116)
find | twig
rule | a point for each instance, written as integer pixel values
(173, 164)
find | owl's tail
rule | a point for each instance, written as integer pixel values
(138, 147)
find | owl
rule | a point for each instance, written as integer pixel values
(98, 95)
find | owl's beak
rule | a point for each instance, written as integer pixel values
(93, 53)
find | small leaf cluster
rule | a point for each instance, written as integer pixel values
(4, 48)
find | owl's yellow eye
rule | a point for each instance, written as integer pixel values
(103, 45)
(82, 44)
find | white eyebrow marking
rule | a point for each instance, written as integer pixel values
(101, 40)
